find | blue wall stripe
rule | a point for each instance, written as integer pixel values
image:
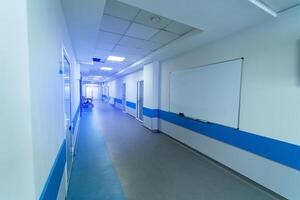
(128, 103)
(275, 150)
(131, 104)
(153, 113)
(52, 185)
(116, 100)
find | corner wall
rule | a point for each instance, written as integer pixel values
(151, 95)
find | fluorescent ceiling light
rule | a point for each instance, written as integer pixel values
(87, 63)
(106, 68)
(264, 7)
(115, 58)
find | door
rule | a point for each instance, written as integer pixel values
(67, 112)
(107, 94)
(95, 91)
(140, 100)
(88, 91)
(92, 91)
(124, 97)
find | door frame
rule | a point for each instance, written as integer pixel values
(68, 130)
(140, 100)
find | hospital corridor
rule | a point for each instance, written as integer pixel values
(150, 100)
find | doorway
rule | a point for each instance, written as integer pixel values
(140, 100)
(68, 112)
(123, 89)
(92, 91)
(106, 94)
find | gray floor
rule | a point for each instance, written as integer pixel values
(153, 167)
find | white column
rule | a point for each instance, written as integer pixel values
(151, 95)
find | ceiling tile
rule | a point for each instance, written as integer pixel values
(129, 50)
(113, 24)
(164, 37)
(138, 43)
(132, 58)
(151, 45)
(106, 37)
(150, 19)
(131, 42)
(105, 46)
(118, 9)
(103, 54)
(141, 31)
(178, 28)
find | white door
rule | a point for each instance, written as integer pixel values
(140, 100)
(67, 112)
(124, 97)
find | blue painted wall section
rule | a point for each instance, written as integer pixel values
(131, 104)
(116, 100)
(153, 113)
(52, 185)
(104, 97)
(275, 150)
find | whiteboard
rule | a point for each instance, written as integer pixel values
(210, 93)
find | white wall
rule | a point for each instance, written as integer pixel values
(75, 78)
(115, 88)
(270, 75)
(131, 88)
(270, 95)
(131, 85)
(47, 35)
(16, 166)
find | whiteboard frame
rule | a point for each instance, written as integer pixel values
(206, 65)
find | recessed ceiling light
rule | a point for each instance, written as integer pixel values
(264, 7)
(96, 77)
(86, 63)
(115, 58)
(106, 68)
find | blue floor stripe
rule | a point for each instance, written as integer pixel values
(93, 175)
